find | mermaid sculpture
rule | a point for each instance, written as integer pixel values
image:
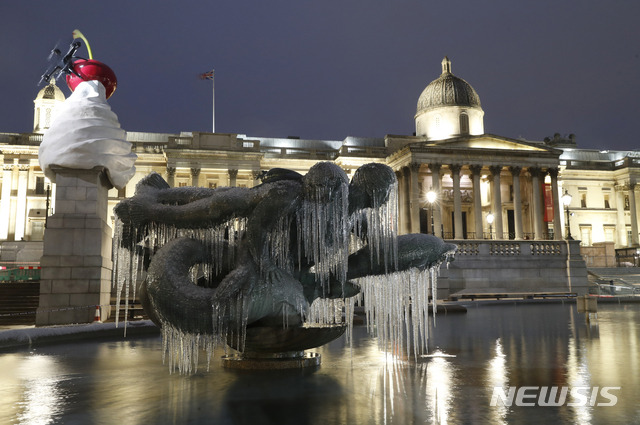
(220, 262)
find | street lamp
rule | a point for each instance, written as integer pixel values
(431, 198)
(566, 200)
(490, 218)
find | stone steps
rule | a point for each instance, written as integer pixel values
(19, 302)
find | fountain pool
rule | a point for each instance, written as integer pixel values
(539, 344)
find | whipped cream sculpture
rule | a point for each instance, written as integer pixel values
(86, 133)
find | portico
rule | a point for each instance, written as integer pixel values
(473, 176)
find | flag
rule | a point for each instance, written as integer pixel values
(206, 75)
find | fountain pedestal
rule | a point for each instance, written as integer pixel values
(76, 265)
(271, 361)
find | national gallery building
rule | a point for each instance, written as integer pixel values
(455, 181)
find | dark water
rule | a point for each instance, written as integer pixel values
(125, 382)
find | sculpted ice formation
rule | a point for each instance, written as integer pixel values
(87, 134)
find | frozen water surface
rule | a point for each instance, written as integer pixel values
(124, 380)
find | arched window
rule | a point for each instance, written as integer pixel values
(464, 123)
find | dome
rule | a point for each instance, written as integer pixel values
(45, 104)
(447, 90)
(51, 92)
(448, 107)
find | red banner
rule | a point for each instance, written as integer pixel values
(548, 203)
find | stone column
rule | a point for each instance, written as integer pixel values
(633, 214)
(622, 231)
(477, 200)
(256, 177)
(233, 175)
(517, 201)
(406, 204)
(76, 265)
(537, 203)
(5, 200)
(437, 208)
(414, 199)
(21, 202)
(402, 225)
(195, 173)
(496, 200)
(457, 200)
(171, 176)
(557, 209)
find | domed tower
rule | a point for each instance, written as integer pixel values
(44, 106)
(448, 107)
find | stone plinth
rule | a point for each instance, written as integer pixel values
(76, 263)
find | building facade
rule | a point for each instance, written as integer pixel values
(484, 186)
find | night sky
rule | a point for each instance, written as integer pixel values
(335, 68)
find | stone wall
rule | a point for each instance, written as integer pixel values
(517, 266)
(600, 254)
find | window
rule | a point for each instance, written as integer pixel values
(606, 202)
(585, 235)
(583, 200)
(464, 124)
(437, 121)
(39, 185)
(37, 230)
(609, 233)
(213, 185)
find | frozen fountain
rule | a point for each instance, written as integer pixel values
(275, 269)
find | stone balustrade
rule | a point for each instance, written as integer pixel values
(516, 266)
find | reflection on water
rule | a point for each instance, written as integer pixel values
(510, 347)
(498, 376)
(43, 399)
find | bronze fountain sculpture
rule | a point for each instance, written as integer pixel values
(243, 266)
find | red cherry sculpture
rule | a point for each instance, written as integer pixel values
(89, 70)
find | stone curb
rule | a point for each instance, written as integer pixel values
(29, 337)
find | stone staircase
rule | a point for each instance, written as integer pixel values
(19, 302)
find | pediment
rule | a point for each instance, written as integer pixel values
(488, 141)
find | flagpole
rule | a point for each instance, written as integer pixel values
(213, 102)
(210, 76)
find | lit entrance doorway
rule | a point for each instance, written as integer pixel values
(511, 224)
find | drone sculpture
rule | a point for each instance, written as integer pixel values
(77, 69)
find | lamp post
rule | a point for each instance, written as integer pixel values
(566, 201)
(46, 211)
(490, 218)
(431, 198)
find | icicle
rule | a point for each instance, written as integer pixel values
(276, 250)
(326, 312)
(180, 350)
(323, 231)
(382, 228)
(349, 312)
(397, 307)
